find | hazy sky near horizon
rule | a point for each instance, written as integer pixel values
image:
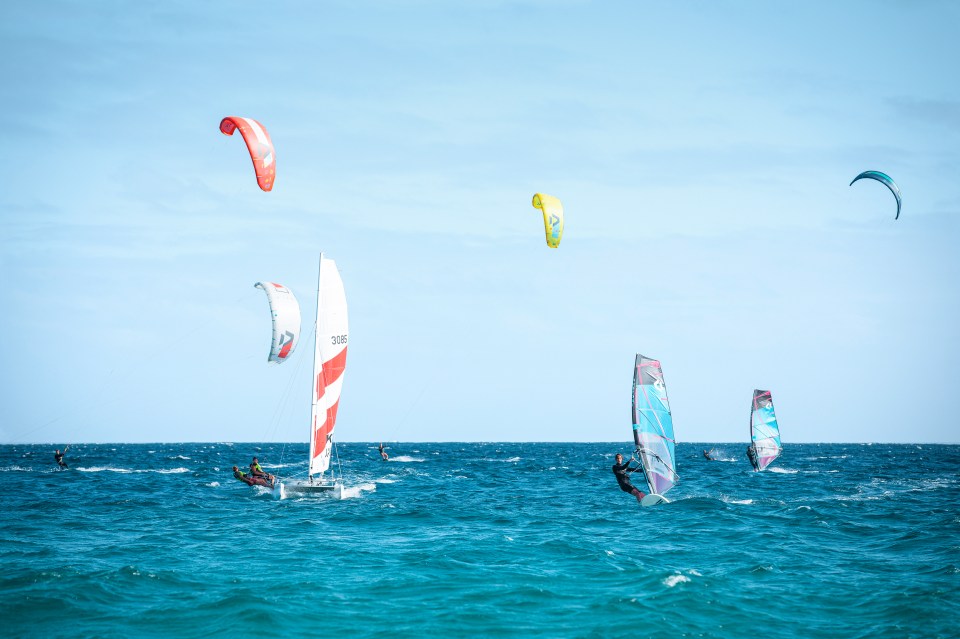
(702, 150)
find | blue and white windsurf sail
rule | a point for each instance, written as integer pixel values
(653, 426)
(764, 431)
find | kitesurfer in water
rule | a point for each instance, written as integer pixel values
(620, 470)
(383, 453)
(706, 454)
(752, 456)
(256, 471)
(59, 457)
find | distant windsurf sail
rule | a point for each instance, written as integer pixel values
(653, 426)
(764, 430)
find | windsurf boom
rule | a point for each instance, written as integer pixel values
(653, 426)
(764, 431)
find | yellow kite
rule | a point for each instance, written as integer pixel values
(552, 217)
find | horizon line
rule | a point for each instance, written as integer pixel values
(613, 443)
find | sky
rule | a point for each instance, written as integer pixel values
(702, 150)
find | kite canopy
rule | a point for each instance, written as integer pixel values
(285, 312)
(887, 181)
(552, 217)
(259, 145)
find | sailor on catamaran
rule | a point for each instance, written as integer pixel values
(250, 480)
(620, 470)
(257, 472)
(58, 456)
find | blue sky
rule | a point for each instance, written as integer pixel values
(702, 151)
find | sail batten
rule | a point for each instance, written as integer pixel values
(764, 430)
(653, 426)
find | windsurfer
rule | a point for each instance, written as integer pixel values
(620, 470)
(383, 453)
(58, 456)
(257, 472)
(752, 455)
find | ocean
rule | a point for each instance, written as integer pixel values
(480, 539)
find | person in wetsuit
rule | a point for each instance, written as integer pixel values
(59, 457)
(752, 456)
(383, 453)
(239, 474)
(250, 480)
(256, 471)
(620, 470)
(706, 454)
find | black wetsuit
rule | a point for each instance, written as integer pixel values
(752, 456)
(620, 472)
(59, 458)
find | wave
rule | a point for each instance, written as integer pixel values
(783, 471)
(406, 458)
(111, 469)
(673, 580)
(352, 492)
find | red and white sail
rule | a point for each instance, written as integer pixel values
(329, 361)
(259, 146)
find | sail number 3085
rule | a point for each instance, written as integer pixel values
(338, 339)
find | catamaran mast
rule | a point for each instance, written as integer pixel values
(315, 379)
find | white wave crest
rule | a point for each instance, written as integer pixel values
(352, 492)
(673, 580)
(406, 458)
(111, 469)
(782, 471)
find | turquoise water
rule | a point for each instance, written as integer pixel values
(494, 540)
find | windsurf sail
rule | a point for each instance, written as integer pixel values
(764, 430)
(329, 361)
(653, 426)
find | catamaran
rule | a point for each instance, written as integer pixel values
(653, 430)
(764, 431)
(329, 361)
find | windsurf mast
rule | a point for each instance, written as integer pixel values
(653, 426)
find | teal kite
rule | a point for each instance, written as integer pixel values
(887, 181)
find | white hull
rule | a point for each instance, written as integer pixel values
(307, 488)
